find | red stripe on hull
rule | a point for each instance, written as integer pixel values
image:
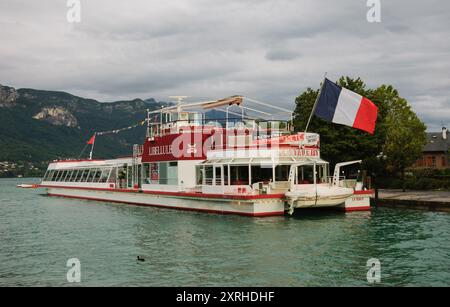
(365, 208)
(259, 214)
(368, 192)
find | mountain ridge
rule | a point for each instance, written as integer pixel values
(42, 125)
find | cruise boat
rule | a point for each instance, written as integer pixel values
(237, 164)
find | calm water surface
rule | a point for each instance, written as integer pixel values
(38, 234)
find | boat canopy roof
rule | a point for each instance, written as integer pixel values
(265, 160)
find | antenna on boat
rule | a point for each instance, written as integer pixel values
(148, 124)
(179, 101)
(178, 98)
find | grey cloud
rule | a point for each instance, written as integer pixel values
(270, 50)
(282, 55)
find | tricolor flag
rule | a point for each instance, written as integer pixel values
(342, 106)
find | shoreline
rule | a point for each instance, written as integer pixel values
(420, 200)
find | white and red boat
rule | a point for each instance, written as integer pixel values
(234, 165)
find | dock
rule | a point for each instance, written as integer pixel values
(423, 200)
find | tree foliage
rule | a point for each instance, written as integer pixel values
(399, 134)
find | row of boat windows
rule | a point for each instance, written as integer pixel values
(124, 176)
(245, 175)
(167, 173)
(79, 175)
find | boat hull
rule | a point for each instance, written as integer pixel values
(245, 205)
(359, 201)
(320, 202)
(257, 207)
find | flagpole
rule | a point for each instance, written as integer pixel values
(315, 103)
(92, 148)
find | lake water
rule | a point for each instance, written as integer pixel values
(38, 234)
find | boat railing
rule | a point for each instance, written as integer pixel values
(344, 182)
(329, 179)
(261, 128)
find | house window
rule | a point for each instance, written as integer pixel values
(433, 161)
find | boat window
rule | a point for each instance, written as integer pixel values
(282, 172)
(122, 176)
(239, 175)
(218, 175)
(102, 175)
(208, 175)
(113, 175)
(91, 175)
(138, 175)
(62, 176)
(154, 173)
(225, 174)
(74, 175)
(130, 176)
(146, 173)
(45, 175)
(305, 174)
(84, 176)
(172, 173)
(98, 175)
(69, 174)
(261, 174)
(163, 172)
(322, 173)
(79, 175)
(58, 175)
(199, 174)
(50, 176)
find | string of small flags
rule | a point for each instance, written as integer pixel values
(141, 123)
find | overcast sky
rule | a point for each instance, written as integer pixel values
(270, 50)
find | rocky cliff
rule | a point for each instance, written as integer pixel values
(8, 96)
(57, 116)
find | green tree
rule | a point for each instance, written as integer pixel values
(405, 137)
(342, 143)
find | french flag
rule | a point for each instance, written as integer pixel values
(342, 106)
